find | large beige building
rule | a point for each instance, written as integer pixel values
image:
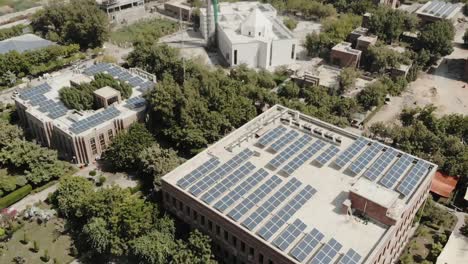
(82, 136)
(288, 188)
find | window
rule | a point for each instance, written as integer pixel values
(250, 33)
(174, 201)
(259, 33)
(195, 216)
(235, 57)
(226, 235)
(293, 51)
(270, 261)
(102, 141)
(242, 246)
(271, 54)
(187, 209)
(181, 206)
(260, 258)
(251, 251)
(218, 230)
(110, 134)
(167, 197)
(210, 225)
(234, 241)
(92, 142)
(202, 220)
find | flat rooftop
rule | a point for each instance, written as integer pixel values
(283, 177)
(43, 101)
(346, 48)
(24, 43)
(440, 9)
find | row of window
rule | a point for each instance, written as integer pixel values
(102, 141)
(215, 231)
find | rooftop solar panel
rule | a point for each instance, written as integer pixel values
(283, 215)
(273, 202)
(291, 150)
(351, 151)
(231, 180)
(327, 155)
(238, 192)
(198, 173)
(271, 135)
(261, 192)
(358, 165)
(326, 254)
(377, 168)
(306, 245)
(411, 180)
(286, 238)
(351, 257)
(302, 158)
(396, 171)
(97, 118)
(220, 172)
(284, 140)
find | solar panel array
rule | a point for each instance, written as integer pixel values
(34, 92)
(286, 238)
(302, 158)
(220, 172)
(231, 180)
(135, 102)
(283, 215)
(36, 97)
(291, 150)
(271, 135)
(94, 120)
(396, 171)
(327, 252)
(273, 202)
(254, 198)
(327, 155)
(358, 165)
(412, 178)
(440, 9)
(351, 151)
(198, 173)
(377, 168)
(238, 192)
(306, 245)
(284, 140)
(351, 257)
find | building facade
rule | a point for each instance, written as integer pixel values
(288, 188)
(343, 55)
(82, 136)
(250, 33)
(120, 11)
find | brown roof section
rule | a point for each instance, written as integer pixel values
(443, 185)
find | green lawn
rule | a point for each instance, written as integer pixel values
(10, 6)
(147, 30)
(47, 236)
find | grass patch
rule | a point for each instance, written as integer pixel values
(147, 30)
(10, 6)
(48, 236)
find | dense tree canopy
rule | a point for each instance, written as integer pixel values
(437, 38)
(380, 58)
(156, 161)
(388, 23)
(79, 21)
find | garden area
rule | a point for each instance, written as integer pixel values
(435, 226)
(146, 30)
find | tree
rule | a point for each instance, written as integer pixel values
(372, 95)
(196, 251)
(348, 78)
(80, 22)
(153, 248)
(71, 196)
(290, 23)
(437, 38)
(155, 162)
(388, 23)
(98, 235)
(46, 256)
(126, 147)
(35, 246)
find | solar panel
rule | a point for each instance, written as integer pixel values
(289, 151)
(197, 173)
(396, 171)
(284, 140)
(448, 11)
(283, 215)
(327, 155)
(412, 178)
(261, 192)
(220, 172)
(287, 237)
(351, 257)
(135, 102)
(94, 120)
(231, 180)
(271, 135)
(377, 168)
(273, 202)
(327, 252)
(238, 192)
(302, 158)
(358, 165)
(351, 151)
(306, 245)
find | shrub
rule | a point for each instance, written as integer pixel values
(35, 247)
(2, 232)
(92, 173)
(15, 196)
(25, 239)
(290, 23)
(102, 180)
(46, 256)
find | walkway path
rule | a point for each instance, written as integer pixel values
(34, 198)
(456, 249)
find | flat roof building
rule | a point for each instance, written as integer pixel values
(250, 33)
(288, 188)
(120, 11)
(82, 136)
(343, 55)
(179, 9)
(439, 10)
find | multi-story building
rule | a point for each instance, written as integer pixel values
(179, 9)
(122, 10)
(250, 33)
(288, 188)
(82, 136)
(343, 55)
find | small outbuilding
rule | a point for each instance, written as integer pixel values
(443, 184)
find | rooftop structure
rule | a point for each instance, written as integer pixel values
(179, 9)
(81, 136)
(438, 10)
(288, 188)
(251, 33)
(344, 55)
(122, 10)
(24, 43)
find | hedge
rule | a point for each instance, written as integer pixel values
(15, 196)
